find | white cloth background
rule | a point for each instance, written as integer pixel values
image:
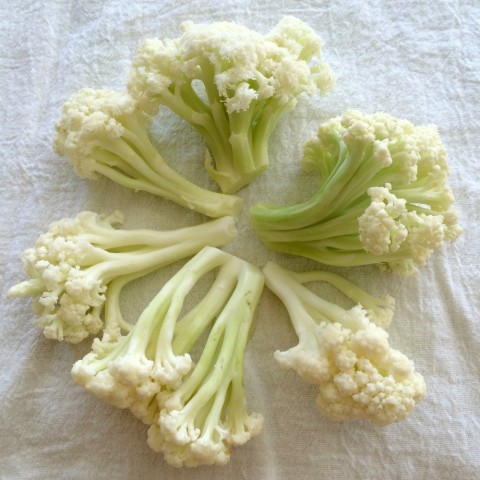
(415, 59)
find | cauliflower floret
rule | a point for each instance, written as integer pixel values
(382, 386)
(120, 371)
(196, 412)
(426, 231)
(311, 365)
(382, 196)
(359, 133)
(355, 370)
(387, 226)
(105, 133)
(184, 444)
(241, 428)
(177, 427)
(188, 455)
(380, 228)
(250, 80)
(358, 374)
(123, 384)
(74, 264)
(382, 153)
(106, 387)
(132, 370)
(88, 116)
(371, 341)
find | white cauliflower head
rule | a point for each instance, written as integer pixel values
(72, 295)
(91, 122)
(358, 374)
(388, 226)
(243, 65)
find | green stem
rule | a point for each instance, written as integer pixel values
(194, 323)
(317, 208)
(341, 225)
(178, 288)
(201, 121)
(437, 200)
(155, 176)
(112, 313)
(190, 240)
(285, 284)
(241, 142)
(240, 308)
(237, 410)
(217, 105)
(349, 289)
(212, 420)
(279, 282)
(331, 256)
(116, 163)
(267, 121)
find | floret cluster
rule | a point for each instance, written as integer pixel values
(80, 266)
(382, 198)
(346, 352)
(196, 413)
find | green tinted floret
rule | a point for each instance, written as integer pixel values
(382, 198)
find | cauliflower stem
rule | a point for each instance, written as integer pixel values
(346, 352)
